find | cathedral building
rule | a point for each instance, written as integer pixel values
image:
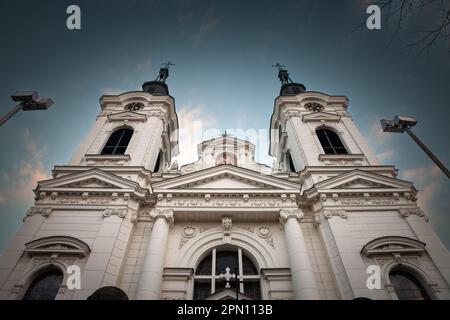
(327, 221)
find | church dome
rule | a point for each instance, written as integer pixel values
(156, 88)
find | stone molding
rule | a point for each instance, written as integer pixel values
(166, 214)
(286, 214)
(121, 213)
(406, 212)
(43, 211)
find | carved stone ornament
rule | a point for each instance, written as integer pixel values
(43, 211)
(165, 214)
(264, 232)
(290, 114)
(226, 224)
(121, 213)
(409, 211)
(329, 213)
(189, 232)
(287, 214)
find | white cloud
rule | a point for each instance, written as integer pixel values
(380, 142)
(195, 126)
(428, 181)
(18, 185)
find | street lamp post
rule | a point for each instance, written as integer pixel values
(28, 101)
(402, 124)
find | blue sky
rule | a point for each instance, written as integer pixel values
(223, 78)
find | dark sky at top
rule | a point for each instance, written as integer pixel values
(224, 52)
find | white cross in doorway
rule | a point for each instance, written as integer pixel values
(227, 276)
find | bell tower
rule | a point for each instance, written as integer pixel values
(313, 129)
(137, 128)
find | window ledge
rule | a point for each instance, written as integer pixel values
(351, 159)
(98, 159)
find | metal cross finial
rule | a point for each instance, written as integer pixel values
(168, 64)
(279, 66)
(227, 276)
(283, 74)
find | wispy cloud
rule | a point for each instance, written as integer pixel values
(144, 65)
(208, 25)
(380, 142)
(195, 126)
(428, 181)
(17, 186)
(127, 80)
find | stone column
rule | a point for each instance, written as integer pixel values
(149, 286)
(303, 280)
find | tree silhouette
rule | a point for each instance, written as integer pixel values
(402, 13)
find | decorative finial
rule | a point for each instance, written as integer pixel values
(167, 64)
(283, 74)
(164, 72)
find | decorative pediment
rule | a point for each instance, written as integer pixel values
(127, 115)
(359, 180)
(226, 177)
(392, 246)
(57, 245)
(228, 294)
(321, 116)
(90, 183)
(90, 180)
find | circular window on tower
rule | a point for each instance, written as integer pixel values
(314, 107)
(134, 106)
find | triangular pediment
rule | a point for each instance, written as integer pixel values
(321, 116)
(127, 115)
(226, 177)
(90, 180)
(90, 183)
(228, 294)
(359, 180)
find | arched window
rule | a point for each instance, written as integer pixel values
(407, 286)
(45, 286)
(330, 142)
(118, 142)
(213, 271)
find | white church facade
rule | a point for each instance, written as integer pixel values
(310, 227)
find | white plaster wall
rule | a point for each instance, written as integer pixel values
(351, 234)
